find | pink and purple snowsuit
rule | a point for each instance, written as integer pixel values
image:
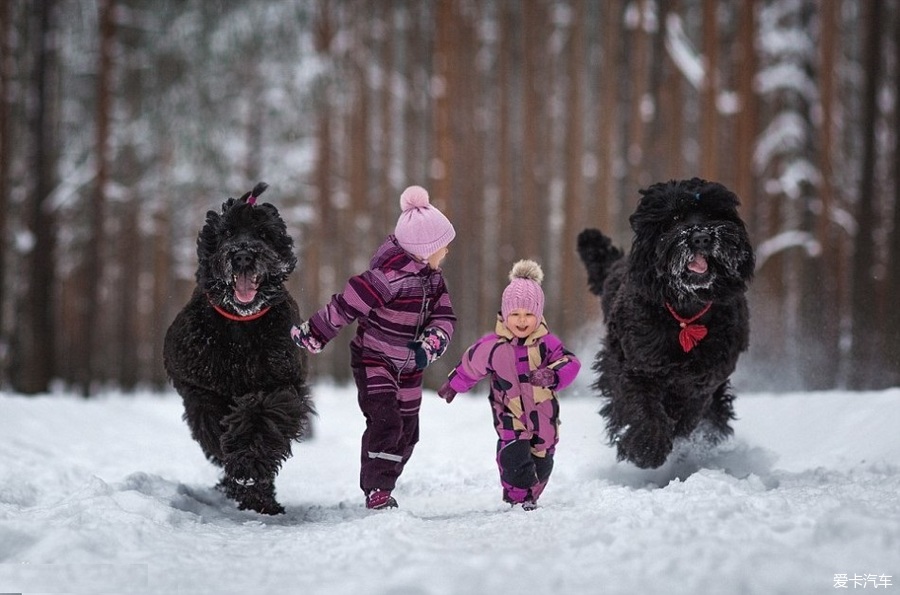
(526, 417)
(394, 302)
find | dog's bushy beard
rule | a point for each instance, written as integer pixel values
(245, 255)
(686, 274)
(247, 276)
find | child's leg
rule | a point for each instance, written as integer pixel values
(517, 470)
(543, 444)
(543, 466)
(392, 429)
(409, 400)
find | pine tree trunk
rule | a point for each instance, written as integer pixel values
(6, 65)
(91, 333)
(35, 352)
(865, 352)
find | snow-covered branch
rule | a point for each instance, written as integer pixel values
(784, 241)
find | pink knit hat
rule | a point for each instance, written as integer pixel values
(524, 290)
(421, 230)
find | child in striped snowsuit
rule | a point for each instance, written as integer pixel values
(526, 365)
(405, 321)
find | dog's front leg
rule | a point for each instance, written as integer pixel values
(646, 432)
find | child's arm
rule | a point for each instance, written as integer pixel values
(562, 362)
(362, 294)
(442, 316)
(437, 331)
(470, 370)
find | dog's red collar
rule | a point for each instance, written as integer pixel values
(691, 333)
(237, 317)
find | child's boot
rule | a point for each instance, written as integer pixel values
(380, 499)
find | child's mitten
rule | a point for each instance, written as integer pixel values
(544, 377)
(447, 392)
(305, 337)
(430, 345)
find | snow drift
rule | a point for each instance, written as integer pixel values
(111, 495)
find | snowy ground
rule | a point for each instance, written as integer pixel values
(111, 496)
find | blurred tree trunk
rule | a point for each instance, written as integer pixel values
(91, 333)
(748, 117)
(571, 302)
(667, 153)
(132, 263)
(35, 353)
(709, 111)
(865, 351)
(443, 159)
(360, 136)
(315, 264)
(323, 35)
(892, 330)
(161, 269)
(459, 174)
(640, 41)
(508, 63)
(6, 74)
(604, 212)
(530, 205)
(821, 305)
(383, 200)
(127, 337)
(466, 205)
(418, 130)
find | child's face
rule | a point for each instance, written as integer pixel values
(521, 322)
(435, 260)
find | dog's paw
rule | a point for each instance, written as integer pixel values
(647, 445)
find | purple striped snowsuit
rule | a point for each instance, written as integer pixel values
(393, 302)
(526, 417)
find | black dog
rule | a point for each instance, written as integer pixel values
(230, 355)
(676, 318)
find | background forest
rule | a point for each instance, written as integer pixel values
(123, 121)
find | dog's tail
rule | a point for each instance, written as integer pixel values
(598, 255)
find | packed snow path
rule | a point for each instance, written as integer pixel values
(112, 496)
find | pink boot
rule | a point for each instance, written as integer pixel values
(379, 499)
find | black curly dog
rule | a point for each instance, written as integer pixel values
(676, 318)
(229, 352)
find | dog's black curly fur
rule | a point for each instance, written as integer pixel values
(230, 356)
(690, 249)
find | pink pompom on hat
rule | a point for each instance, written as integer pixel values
(421, 229)
(524, 290)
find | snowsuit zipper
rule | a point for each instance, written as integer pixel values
(419, 323)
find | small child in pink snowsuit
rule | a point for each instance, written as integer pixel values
(405, 322)
(527, 365)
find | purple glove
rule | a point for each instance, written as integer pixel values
(303, 336)
(446, 392)
(544, 377)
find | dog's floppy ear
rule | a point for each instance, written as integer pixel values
(213, 220)
(207, 245)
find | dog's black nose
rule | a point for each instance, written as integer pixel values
(700, 240)
(242, 260)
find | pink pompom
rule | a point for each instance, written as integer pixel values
(414, 197)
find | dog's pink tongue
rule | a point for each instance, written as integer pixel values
(698, 264)
(244, 289)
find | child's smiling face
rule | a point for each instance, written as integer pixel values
(521, 322)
